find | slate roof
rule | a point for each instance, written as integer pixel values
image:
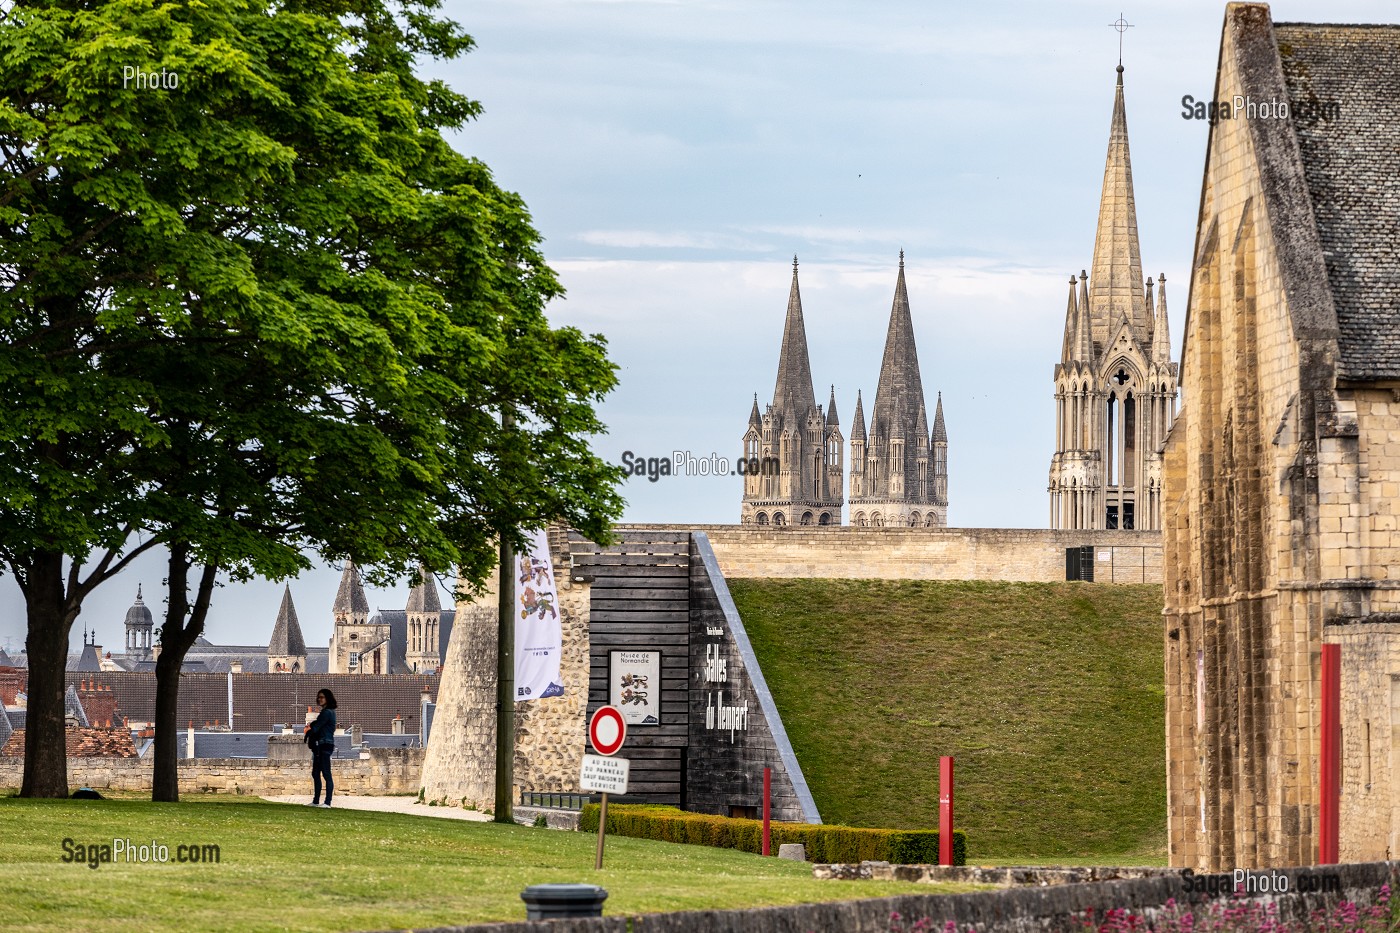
(5, 727)
(350, 597)
(424, 596)
(1351, 163)
(229, 744)
(397, 620)
(17, 717)
(88, 661)
(72, 706)
(286, 634)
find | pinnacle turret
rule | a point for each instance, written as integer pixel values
(858, 420)
(831, 421)
(1161, 333)
(940, 431)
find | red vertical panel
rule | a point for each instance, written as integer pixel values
(945, 810)
(1331, 764)
(767, 805)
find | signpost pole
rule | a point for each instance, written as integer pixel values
(602, 828)
(504, 811)
(767, 806)
(945, 810)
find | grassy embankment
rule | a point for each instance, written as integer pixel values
(294, 868)
(1048, 695)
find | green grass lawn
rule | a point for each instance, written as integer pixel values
(1049, 696)
(294, 868)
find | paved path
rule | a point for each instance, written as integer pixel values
(392, 805)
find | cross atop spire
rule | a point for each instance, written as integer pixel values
(1122, 25)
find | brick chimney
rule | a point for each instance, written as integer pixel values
(99, 703)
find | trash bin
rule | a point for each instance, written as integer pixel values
(547, 901)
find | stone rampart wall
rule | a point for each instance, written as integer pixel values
(1020, 554)
(385, 771)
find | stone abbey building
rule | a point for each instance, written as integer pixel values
(1281, 527)
(899, 465)
(1115, 384)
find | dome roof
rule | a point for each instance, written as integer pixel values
(138, 614)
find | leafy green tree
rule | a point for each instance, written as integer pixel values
(265, 312)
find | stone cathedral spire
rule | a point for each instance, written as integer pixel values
(792, 460)
(1115, 384)
(895, 467)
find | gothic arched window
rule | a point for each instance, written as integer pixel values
(806, 518)
(763, 518)
(779, 518)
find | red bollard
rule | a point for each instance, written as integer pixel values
(767, 805)
(945, 810)
(1331, 753)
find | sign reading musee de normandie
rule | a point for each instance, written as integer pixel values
(634, 686)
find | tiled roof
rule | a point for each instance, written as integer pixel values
(1351, 162)
(82, 742)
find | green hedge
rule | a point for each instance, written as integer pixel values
(826, 844)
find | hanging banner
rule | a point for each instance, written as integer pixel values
(538, 639)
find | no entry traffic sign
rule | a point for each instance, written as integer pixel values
(607, 730)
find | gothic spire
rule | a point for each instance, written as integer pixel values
(1117, 262)
(858, 422)
(940, 431)
(286, 634)
(831, 421)
(900, 389)
(755, 421)
(1161, 334)
(350, 598)
(424, 596)
(1071, 325)
(794, 369)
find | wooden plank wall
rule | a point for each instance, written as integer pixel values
(640, 601)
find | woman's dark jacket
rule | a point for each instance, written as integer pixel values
(322, 734)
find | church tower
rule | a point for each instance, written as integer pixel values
(139, 625)
(1115, 384)
(286, 652)
(357, 645)
(899, 469)
(792, 464)
(424, 612)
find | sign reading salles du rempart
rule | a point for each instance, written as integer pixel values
(720, 715)
(603, 775)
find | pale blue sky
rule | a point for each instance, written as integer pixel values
(677, 154)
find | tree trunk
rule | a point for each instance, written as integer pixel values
(50, 621)
(176, 638)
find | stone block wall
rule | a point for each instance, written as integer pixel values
(459, 767)
(385, 771)
(1370, 829)
(845, 552)
(1056, 908)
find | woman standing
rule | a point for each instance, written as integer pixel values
(320, 735)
